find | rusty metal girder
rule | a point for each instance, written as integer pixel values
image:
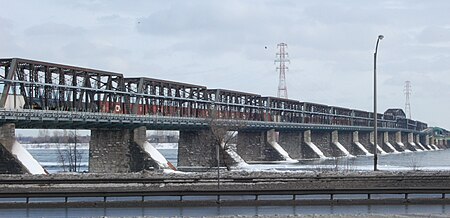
(47, 86)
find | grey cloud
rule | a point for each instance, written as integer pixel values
(434, 34)
(55, 30)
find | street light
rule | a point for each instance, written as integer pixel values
(375, 116)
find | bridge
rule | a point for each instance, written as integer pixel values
(118, 110)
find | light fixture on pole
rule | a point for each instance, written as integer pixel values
(375, 115)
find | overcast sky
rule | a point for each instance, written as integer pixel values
(222, 44)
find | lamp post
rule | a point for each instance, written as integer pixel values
(375, 116)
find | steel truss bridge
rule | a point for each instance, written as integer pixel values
(46, 95)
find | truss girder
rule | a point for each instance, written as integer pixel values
(58, 87)
(36, 85)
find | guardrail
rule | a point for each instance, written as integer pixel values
(183, 194)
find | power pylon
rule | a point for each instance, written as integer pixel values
(282, 58)
(407, 91)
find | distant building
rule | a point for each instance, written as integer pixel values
(396, 112)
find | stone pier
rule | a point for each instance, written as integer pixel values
(366, 140)
(420, 142)
(346, 140)
(400, 143)
(291, 141)
(198, 149)
(404, 139)
(410, 138)
(8, 163)
(379, 142)
(254, 146)
(387, 145)
(338, 140)
(119, 151)
(358, 147)
(323, 140)
(15, 159)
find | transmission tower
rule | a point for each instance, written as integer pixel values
(407, 91)
(282, 58)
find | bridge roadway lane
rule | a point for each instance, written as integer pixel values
(37, 119)
(231, 183)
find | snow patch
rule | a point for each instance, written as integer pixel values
(421, 146)
(418, 148)
(281, 151)
(343, 149)
(435, 147)
(403, 146)
(392, 147)
(316, 149)
(156, 155)
(240, 163)
(360, 146)
(27, 160)
(380, 149)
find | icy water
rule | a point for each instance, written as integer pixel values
(430, 160)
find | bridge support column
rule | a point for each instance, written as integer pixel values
(379, 142)
(399, 142)
(440, 143)
(291, 142)
(420, 141)
(410, 137)
(198, 149)
(122, 151)
(429, 142)
(404, 140)
(309, 149)
(365, 138)
(255, 146)
(322, 139)
(358, 148)
(337, 138)
(15, 159)
(387, 146)
(433, 142)
(346, 139)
